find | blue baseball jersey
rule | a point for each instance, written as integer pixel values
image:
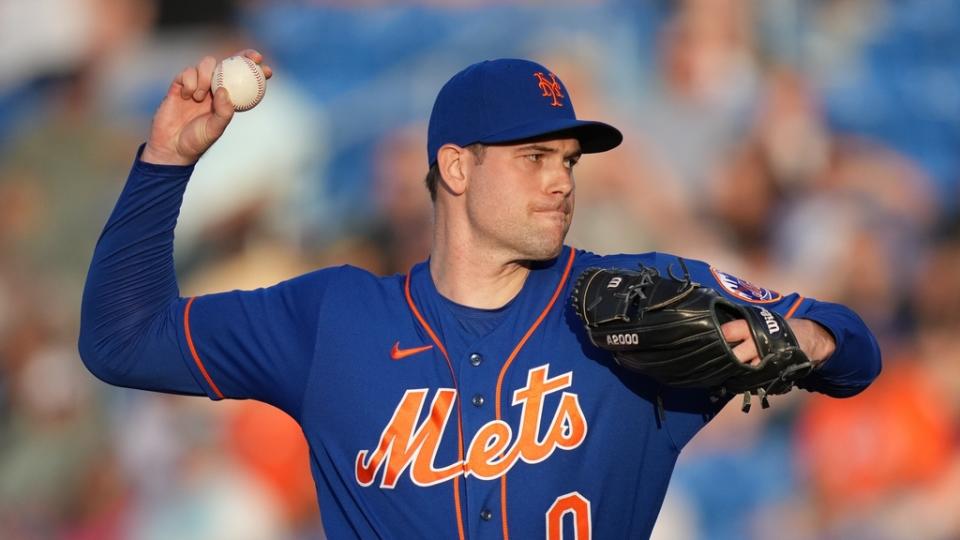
(424, 418)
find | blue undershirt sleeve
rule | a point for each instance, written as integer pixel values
(856, 361)
(128, 327)
(136, 331)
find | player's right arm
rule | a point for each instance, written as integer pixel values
(136, 330)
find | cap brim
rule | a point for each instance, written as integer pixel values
(594, 137)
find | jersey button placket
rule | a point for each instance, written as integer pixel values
(477, 381)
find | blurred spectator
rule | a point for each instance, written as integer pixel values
(936, 314)
(271, 445)
(896, 434)
(857, 235)
(54, 442)
(402, 227)
(783, 154)
(69, 153)
(736, 468)
(708, 78)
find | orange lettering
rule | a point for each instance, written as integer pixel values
(493, 451)
(531, 398)
(489, 442)
(569, 426)
(400, 444)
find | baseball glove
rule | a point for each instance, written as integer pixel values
(668, 328)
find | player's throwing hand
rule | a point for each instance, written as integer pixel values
(191, 117)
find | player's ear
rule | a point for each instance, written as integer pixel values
(451, 159)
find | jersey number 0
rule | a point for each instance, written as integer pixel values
(578, 507)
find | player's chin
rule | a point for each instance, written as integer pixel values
(547, 245)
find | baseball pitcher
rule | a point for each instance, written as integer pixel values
(509, 386)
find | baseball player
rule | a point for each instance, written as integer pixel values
(466, 398)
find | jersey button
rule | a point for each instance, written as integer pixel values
(486, 515)
(475, 359)
(477, 400)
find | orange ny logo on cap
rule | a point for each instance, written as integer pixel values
(551, 88)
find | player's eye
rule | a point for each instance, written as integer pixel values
(570, 162)
(535, 158)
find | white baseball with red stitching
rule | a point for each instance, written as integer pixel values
(243, 79)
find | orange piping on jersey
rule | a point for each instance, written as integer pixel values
(193, 350)
(794, 307)
(443, 350)
(506, 366)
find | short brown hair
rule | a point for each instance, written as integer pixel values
(433, 175)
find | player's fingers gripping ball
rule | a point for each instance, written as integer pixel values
(668, 328)
(244, 80)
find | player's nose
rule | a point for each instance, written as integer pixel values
(560, 181)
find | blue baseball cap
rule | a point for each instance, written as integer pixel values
(506, 100)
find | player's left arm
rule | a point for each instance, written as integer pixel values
(835, 339)
(855, 359)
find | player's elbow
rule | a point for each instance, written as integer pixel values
(874, 363)
(109, 351)
(872, 366)
(96, 358)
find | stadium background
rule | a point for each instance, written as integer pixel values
(806, 145)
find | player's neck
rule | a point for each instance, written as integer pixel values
(478, 287)
(473, 276)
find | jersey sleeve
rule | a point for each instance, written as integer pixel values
(136, 331)
(256, 344)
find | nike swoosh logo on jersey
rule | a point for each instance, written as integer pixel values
(397, 353)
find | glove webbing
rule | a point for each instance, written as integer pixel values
(785, 377)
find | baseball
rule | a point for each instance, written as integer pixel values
(243, 79)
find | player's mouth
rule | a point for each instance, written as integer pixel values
(559, 217)
(561, 209)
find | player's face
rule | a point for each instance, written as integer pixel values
(520, 197)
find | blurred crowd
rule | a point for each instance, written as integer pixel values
(804, 145)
